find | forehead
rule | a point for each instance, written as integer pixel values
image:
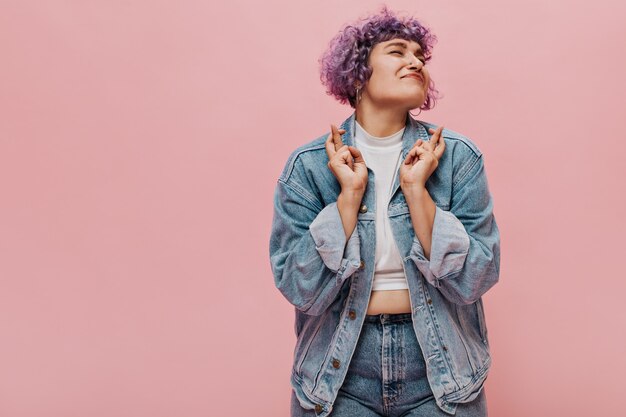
(399, 42)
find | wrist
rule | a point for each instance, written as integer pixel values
(352, 197)
(352, 192)
(413, 188)
(415, 195)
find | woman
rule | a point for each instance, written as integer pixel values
(384, 240)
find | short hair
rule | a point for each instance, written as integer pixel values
(345, 61)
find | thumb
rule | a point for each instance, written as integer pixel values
(413, 153)
(358, 156)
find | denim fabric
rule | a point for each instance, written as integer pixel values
(328, 278)
(387, 376)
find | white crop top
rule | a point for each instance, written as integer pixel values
(382, 155)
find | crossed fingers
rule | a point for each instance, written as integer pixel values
(334, 144)
(436, 144)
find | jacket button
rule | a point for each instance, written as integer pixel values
(363, 208)
(335, 364)
(445, 348)
(362, 264)
(352, 314)
(318, 408)
(429, 301)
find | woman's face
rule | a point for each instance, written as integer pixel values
(390, 84)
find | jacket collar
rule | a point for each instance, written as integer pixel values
(413, 131)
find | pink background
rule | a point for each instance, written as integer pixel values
(140, 142)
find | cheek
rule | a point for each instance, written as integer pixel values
(386, 80)
(382, 87)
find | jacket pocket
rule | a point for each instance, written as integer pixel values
(471, 335)
(305, 339)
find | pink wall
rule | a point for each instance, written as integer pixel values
(140, 142)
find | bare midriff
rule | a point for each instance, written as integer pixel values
(390, 302)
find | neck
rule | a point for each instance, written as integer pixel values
(380, 121)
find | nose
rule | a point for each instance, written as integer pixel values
(415, 62)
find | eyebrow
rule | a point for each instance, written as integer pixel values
(402, 45)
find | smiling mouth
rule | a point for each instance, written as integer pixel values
(417, 77)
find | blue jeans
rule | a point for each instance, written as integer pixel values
(387, 376)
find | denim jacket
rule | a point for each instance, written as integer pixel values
(329, 280)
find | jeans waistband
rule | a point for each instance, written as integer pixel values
(388, 318)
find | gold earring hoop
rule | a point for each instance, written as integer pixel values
(415, 115)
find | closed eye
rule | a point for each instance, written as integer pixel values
(421, 58)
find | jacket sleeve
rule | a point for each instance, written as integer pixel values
(309, 255)
(465, 248)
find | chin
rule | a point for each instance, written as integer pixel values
(414, 102)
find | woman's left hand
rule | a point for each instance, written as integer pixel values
(422, 160)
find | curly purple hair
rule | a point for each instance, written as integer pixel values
(345, 62)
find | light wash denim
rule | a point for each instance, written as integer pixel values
(387, 376)
(329, 280)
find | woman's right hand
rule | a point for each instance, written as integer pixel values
(346, 162)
